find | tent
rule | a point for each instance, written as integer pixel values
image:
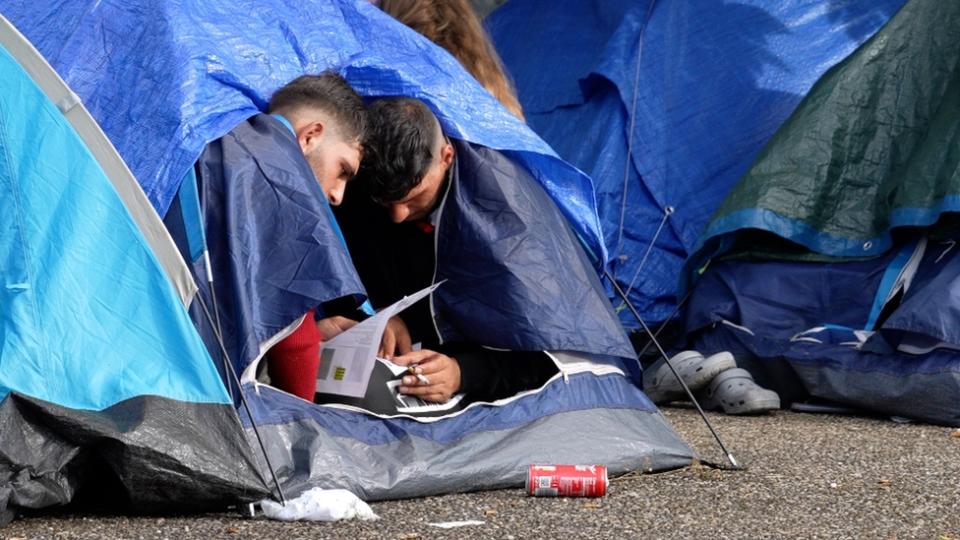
(834, 271)
(665, 104)
(101, 367)
(166, 78)
(212, 75)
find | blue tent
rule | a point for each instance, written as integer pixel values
(665, 104)
(100, 366)
(208, 67)
(877, 335)
(868, 167)
(166, 78)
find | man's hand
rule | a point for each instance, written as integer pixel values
(396, 339)
(441, 375)
(333, 326)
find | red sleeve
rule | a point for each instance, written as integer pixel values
(293, 362)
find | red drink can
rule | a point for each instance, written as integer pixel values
(567, 481)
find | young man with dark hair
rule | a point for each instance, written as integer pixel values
(390, 223)
(275, 251)
(408, 143)
(329, 121)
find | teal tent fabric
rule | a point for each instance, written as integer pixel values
(87, 316)
(105, 386)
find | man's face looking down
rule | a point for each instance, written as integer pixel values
(333, 159)
(422, 199)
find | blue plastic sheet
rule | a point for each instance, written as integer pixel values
(798, 318)
(580, 392)
(256, 176)
(163, 78)
(694, 88)
(500, 237)
(932, 309)
(779, 299)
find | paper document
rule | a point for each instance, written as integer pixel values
(347, 360)
(395, 369)
(414, 405)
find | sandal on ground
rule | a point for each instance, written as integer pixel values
(735, 392)
(662, 386)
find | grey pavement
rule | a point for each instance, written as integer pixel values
(807, 476)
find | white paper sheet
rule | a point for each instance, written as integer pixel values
(347, 360)
(414, 405)
(455, 524)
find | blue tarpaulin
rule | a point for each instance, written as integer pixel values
(163, 78)
(694, 89)
(273, 247)
(813, 329)
(166, 78)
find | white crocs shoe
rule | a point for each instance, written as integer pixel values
(662, 386)
(736, 392)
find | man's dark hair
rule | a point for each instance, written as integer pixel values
(400, 148)
(330, 93)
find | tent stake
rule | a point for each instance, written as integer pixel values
(653, 339)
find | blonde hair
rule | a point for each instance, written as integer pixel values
(454, 25)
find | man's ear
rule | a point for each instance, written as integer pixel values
(309, 134)
(446, 154)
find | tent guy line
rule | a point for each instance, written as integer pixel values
(653, 339)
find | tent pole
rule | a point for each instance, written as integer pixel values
(230, 374)
(243, 400)
(653, 339)
(217, 329)
(633, 121)
(665, 322)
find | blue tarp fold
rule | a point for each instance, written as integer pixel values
(815, 322)
(515, 275)
(163, 78)
(273, 248)
(694, 88)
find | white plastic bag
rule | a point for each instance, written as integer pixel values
(319, 505)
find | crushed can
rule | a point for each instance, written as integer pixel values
(567, 481)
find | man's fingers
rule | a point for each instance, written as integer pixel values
(411, 385)
(345, 323)
(419, 391)
(432, 365)
(331, 327)
(396, 339)
(414, 357)
(388, 345)
(412, 380)
(426, 393)
(404, 345)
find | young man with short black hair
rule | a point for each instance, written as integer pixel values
(390, 223)
(275, 249)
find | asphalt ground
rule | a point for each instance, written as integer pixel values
(807, 476)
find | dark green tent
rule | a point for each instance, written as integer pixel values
(874, 146)
(834, 272)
